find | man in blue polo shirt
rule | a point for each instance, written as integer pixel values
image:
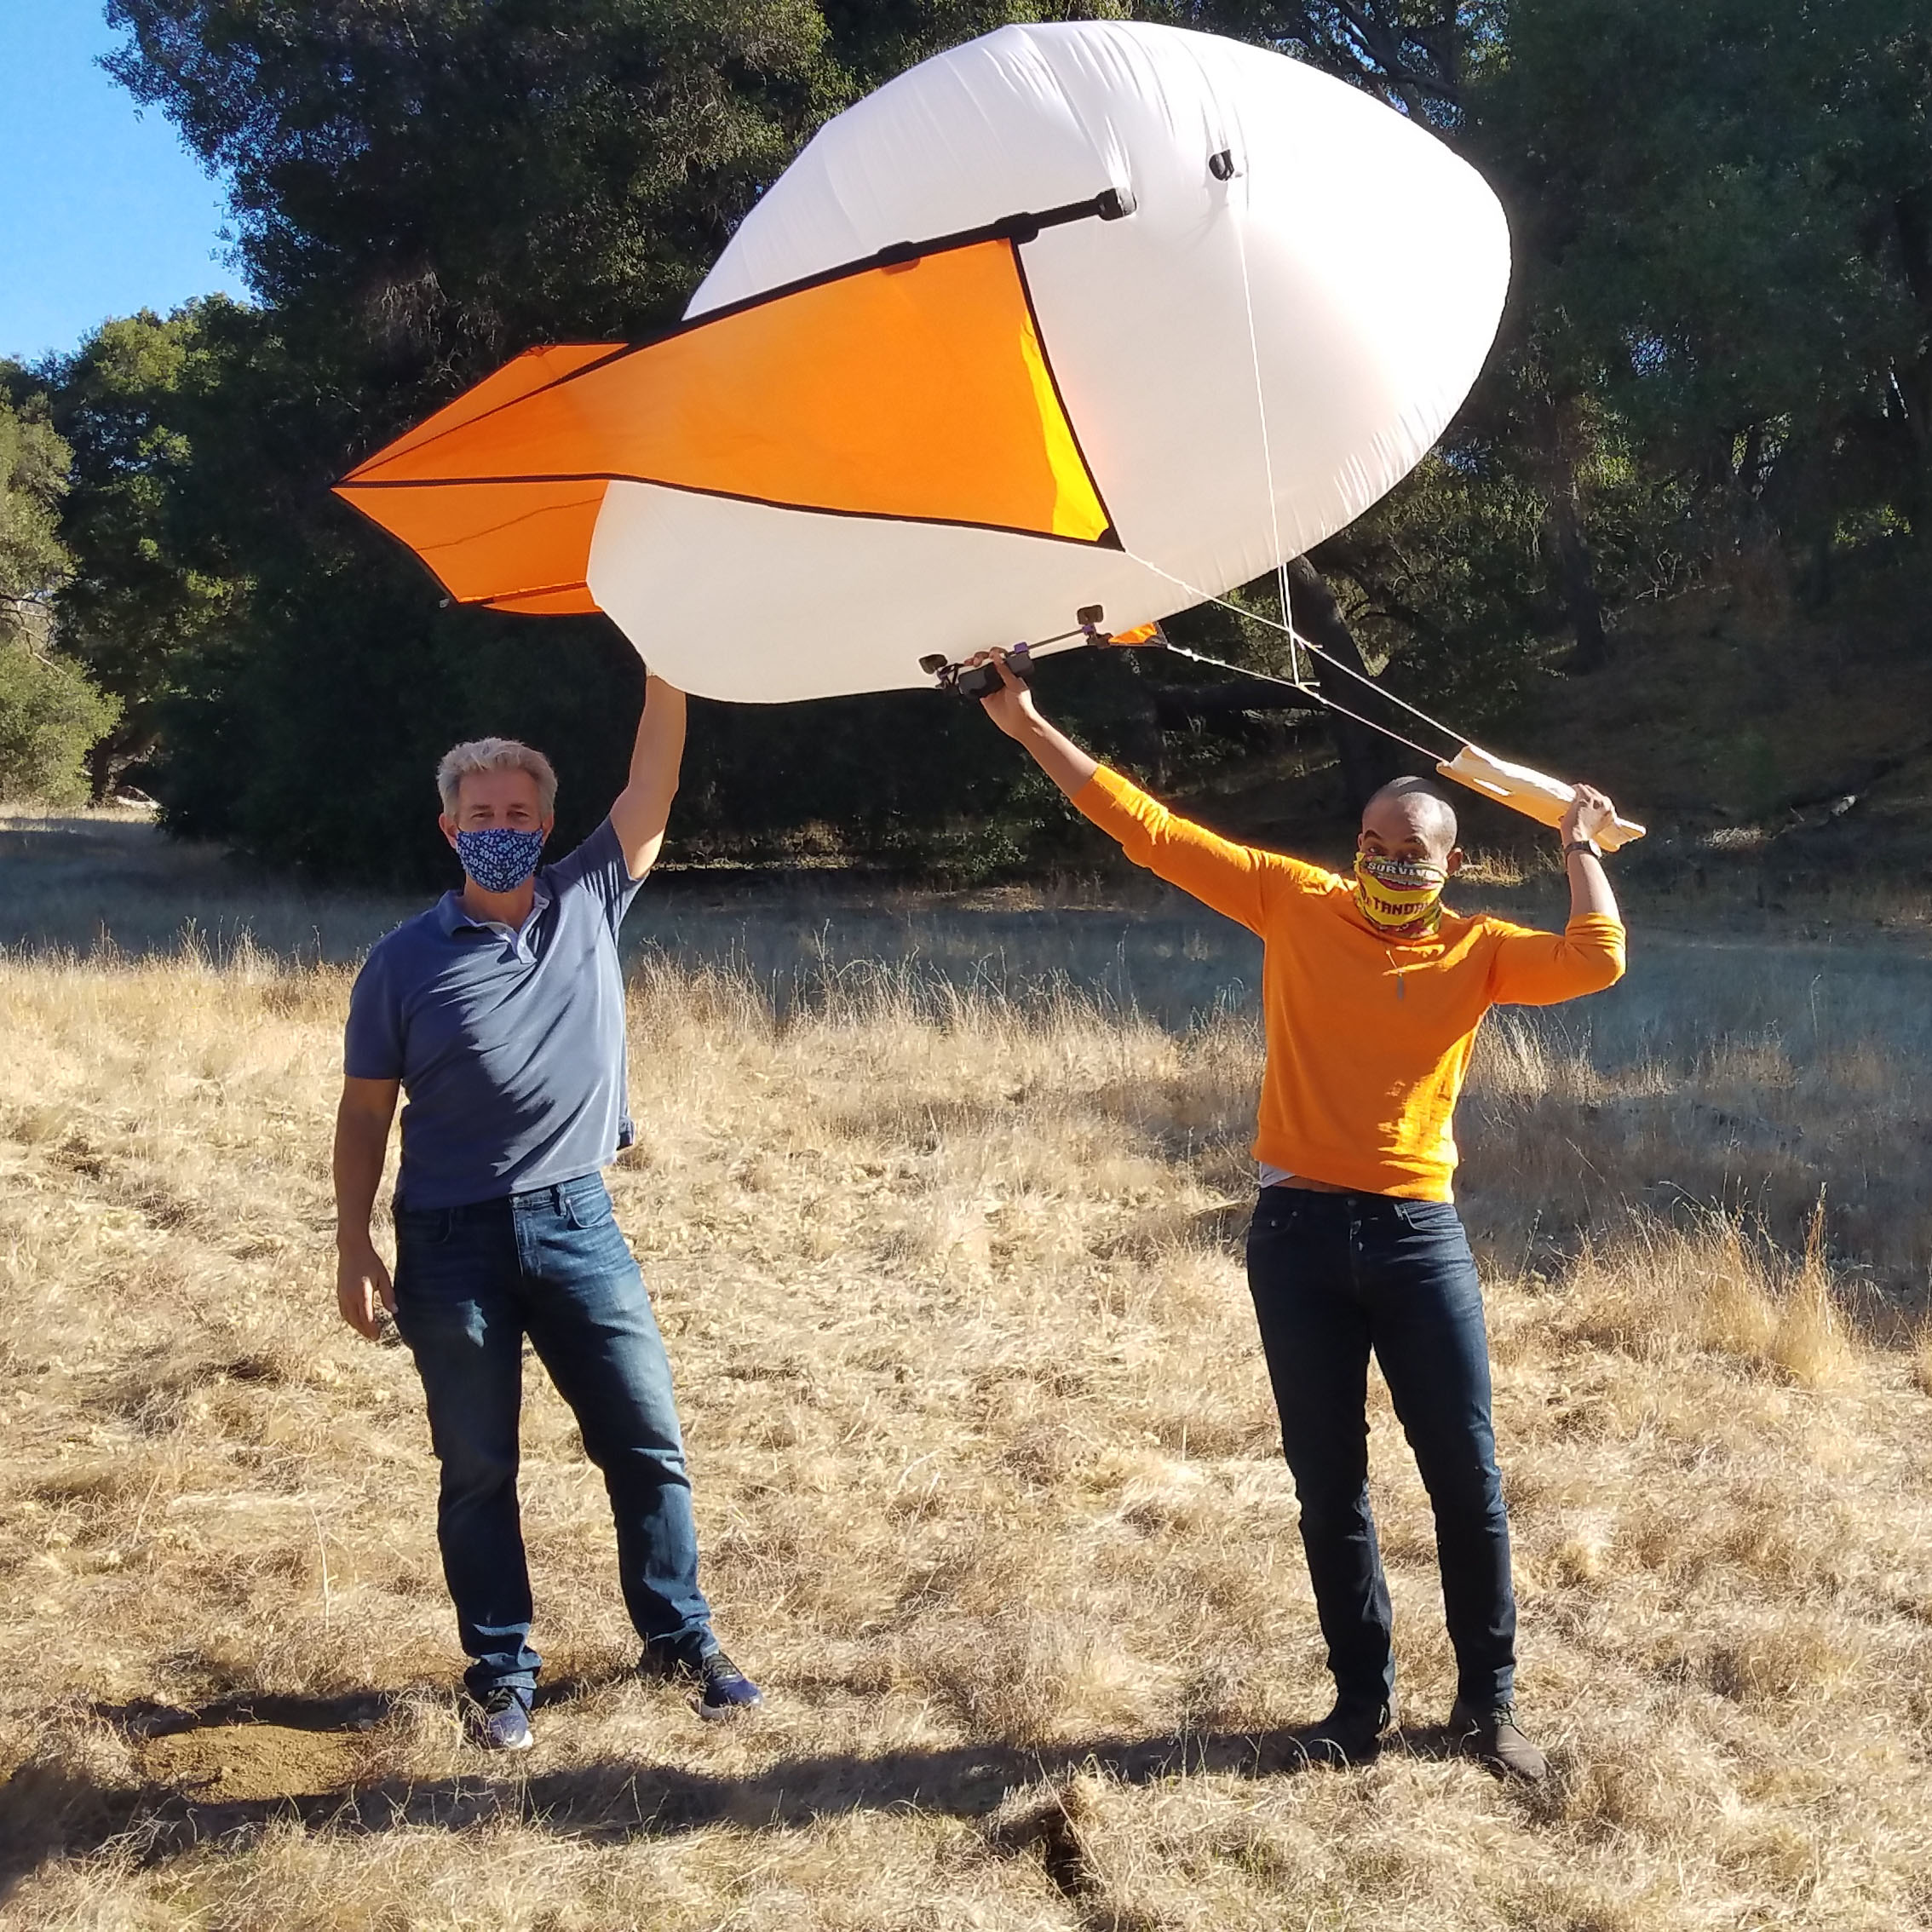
(499, 1013)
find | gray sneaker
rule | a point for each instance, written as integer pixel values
(1494, 1738)
(500, 1722)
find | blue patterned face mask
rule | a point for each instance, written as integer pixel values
(500, 859)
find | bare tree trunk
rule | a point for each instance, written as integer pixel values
(109, 758)
(103, 767)
(1912, 381)
(1569, 544)
(1576, 578)
(1368, 760)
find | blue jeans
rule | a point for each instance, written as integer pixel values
(1334, 1277)
(471, 1282)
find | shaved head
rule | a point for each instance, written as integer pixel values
(1410, 816)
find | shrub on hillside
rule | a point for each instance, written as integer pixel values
(50, 715)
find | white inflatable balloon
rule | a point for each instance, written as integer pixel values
(1256, 300)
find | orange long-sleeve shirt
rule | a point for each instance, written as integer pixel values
(1368, 1038)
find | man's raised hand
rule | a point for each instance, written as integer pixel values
(1590, 814)
(1011, 707)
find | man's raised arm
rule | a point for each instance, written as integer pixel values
(1590, 814)
(1011, 708)
(1231, 878)
(1542, 968)
(643, 807)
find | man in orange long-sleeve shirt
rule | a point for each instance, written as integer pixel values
(1372, 995)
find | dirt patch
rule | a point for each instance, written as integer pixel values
(232, 1763)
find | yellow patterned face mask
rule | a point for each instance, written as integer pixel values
(1402, 897)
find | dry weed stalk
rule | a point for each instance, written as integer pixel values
(1706, 1282)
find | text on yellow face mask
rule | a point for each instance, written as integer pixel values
(1402, 897)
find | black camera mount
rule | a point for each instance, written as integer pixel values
(981, 680)
(977, 680)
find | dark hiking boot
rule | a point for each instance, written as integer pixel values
(1351, 1733)
(1494, 1738)
(500, 1722)
(723, 1690)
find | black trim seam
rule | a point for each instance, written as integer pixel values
(1106, 206)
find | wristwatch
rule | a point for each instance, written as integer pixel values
(1588, 845)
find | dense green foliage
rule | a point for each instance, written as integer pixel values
(1719, 350)
(1719, 339)
(33, 477)
(49, 712)
(152, 585)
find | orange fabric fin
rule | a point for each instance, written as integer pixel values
(517, 546)
(572, 599)
(920, 390)
(521, 376)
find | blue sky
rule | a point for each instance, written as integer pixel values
(103, 211)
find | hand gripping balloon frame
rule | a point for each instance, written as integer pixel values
(1521, 788)
(981, 680)
(978, 681)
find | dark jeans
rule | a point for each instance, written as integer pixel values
(471, 1282)
(1333, 1277)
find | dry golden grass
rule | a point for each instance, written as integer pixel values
(988, 1479)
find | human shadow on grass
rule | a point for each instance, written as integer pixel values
(142, 1718)
(55, 1808)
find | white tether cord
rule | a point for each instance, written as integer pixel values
(1297, 642)
(1267, 455)
(1288, 630)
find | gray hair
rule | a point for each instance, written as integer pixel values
(495, 755)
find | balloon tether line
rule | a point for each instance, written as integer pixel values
(1307, 690)
(1311, 691)
(1297, 642)
(1314, 650)
(1267, 447)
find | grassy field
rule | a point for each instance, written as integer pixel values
(940, 1205)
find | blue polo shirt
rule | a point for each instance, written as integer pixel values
(509, 1046)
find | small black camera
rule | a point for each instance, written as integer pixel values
(976, 681)
(983, 680)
